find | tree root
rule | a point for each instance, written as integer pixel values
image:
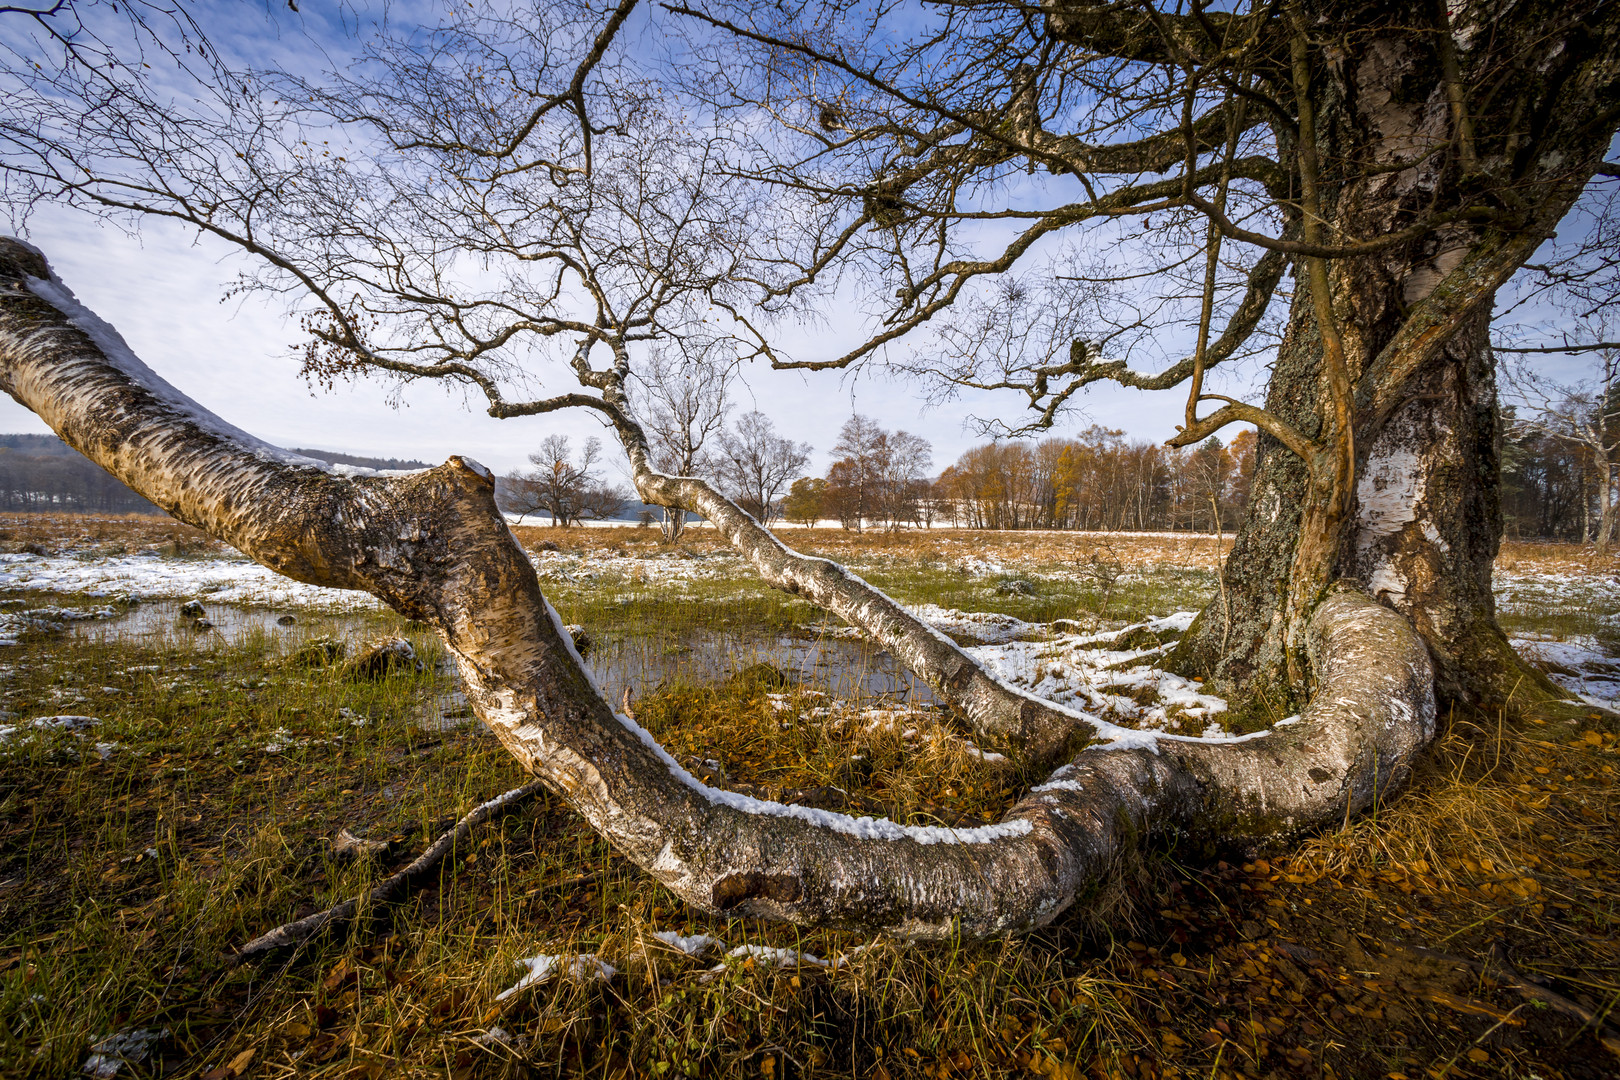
(1497, 968)
(392, 888)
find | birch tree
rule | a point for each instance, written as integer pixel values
(683, 403)
(1361, 177)
(468, 208)
(757, 464)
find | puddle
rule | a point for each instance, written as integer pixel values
(842, 667)
(162, 620)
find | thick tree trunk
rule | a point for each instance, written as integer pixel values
(434, 547)
(1425, 519)
(1426, 532)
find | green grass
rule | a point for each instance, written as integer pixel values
(1180, 967)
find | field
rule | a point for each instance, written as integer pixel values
(189, 785)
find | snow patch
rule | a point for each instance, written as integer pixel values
(693, 945)
(112, 1052)
(585, 967)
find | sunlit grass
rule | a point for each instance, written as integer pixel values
(1181, 966)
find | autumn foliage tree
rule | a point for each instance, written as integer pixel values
(878, 477)
(1098, 481)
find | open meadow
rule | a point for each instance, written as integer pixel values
(176, 780)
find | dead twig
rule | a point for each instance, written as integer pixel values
(392, 888)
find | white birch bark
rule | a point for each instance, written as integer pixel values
(433, 546)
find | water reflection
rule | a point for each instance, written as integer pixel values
(842, 667)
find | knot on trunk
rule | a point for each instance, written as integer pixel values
(734, 889)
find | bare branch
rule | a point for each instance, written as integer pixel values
(1596, 346)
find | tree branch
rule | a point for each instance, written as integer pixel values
(396, 885)
(1596, 346)
(433, 546)
(1129, 30)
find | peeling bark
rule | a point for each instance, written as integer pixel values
(433, 546)
(1425, 521)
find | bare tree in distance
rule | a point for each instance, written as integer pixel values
(855, 481)
(683, 401)
(558, 484)
(906, 462)
(1584, 414)
(756, 464)
(603, 222)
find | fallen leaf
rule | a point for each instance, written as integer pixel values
(335, 978)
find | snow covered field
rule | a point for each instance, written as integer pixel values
(1565, 615)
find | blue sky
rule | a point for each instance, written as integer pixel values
(164, 289)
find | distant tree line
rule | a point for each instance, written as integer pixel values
(1557, 487)
(1097, 481)
(1561, 451)
(1560, 477)
(43, 473)
(877, 477)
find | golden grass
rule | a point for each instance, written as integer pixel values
(1372, 950)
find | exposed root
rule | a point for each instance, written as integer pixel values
(393, 888)
(1497, 969)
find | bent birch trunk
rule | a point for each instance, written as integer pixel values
(1040, 731)
(433, 546)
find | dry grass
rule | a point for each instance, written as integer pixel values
(1379, 949)
(1549, 557)
(1026, 548)
(103, 534)
(1035, 547)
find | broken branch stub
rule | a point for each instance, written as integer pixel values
(433, 546)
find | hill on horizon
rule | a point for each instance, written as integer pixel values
(41, 472)
(332, 457)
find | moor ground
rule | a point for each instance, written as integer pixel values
(1465, 928)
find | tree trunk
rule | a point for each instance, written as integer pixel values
(1605, 502)
(673, 527)
(434, 546)
(1425, 521)
(1423, 540)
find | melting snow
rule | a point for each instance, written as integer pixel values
(582, 968)
(1086, 673)
(1588, 672)
(113, 1052)
(231, 581)
(695, 945)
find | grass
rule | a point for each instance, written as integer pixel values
(1374, 950)
(620, 578)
